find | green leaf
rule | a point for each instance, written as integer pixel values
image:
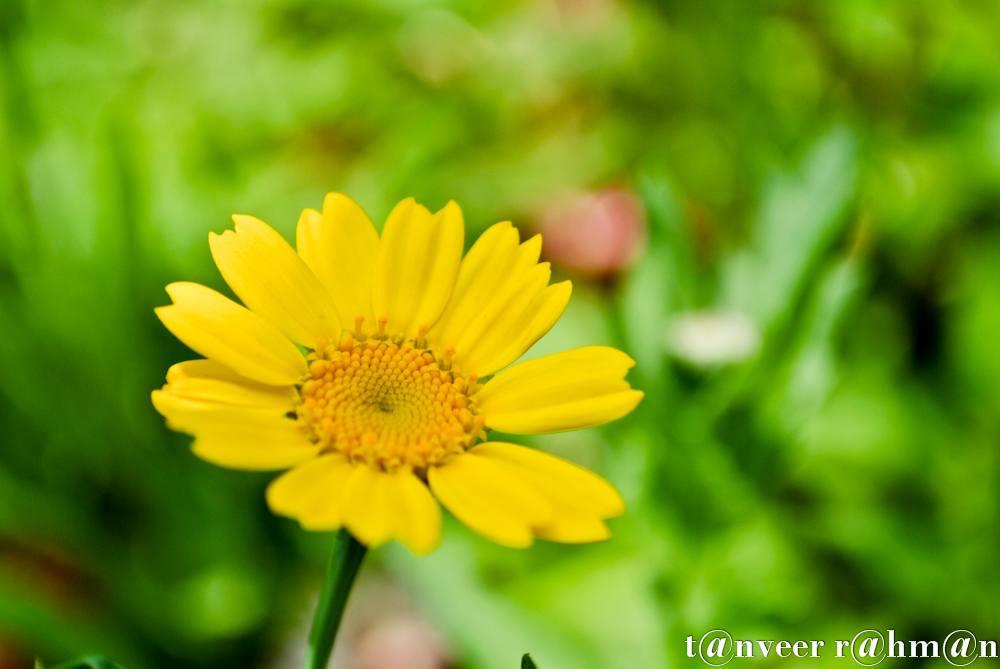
(801, 214)
(527, 662)
(95, 662)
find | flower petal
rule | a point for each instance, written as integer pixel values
(580, 499)
(570, 529)
(204, 368)
(230, 334)
(251, 439)
(184, 410)
(380, 506)
(494, 264)
(513, 323)
(565, 391)
(418, 516)
(198, 387)
(340, 246)
(417, 264)
(205, 384)
(367, 506)
(313, 492)
(569, 486)
(490, 498)
(274, 282)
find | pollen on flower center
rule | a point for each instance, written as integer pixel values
(388, 405)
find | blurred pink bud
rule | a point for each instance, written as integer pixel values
(597, 233)
(404, 643)
(584, 6)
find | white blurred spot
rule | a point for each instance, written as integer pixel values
(713, 338)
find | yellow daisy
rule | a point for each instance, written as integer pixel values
(358, 363)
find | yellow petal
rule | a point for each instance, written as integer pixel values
(251, 440)
(489, 271)
(381, 506)
(417, 264)
(570, 529)
(490, 498)
(204, 369)
(569, 486)
(274, 282)
(201, 393)
(340, 246)
(514, 297)
(418, 517)
(565, 391)
(313, 492)
(196, 387)
(185, 414)
(368, 506)
(580, 499)
(504, 332)
(230, 334)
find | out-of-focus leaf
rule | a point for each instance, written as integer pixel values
(972, 341)
(495, 637)
(812, 374)
(91, 662)
(224, 602)
(527, 662)
(505, 627)
(645, 305)
(799, 217)
(670, 232)
(582, 591)
(42, 623)
(662, 282)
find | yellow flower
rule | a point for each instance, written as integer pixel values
(384, 413)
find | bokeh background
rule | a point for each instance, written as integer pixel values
(786, 212)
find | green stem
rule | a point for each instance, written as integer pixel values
(344, 565)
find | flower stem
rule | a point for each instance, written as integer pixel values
(340, 575)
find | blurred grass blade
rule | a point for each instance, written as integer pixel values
(812, 363)
(91, 662)
(800, 216)
(527, 662)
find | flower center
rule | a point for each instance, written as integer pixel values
(388, 405)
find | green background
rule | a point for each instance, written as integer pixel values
(829, 168)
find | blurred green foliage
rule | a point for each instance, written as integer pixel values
(829, 169)
(92, 662)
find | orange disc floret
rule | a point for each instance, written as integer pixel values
(387, 405)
